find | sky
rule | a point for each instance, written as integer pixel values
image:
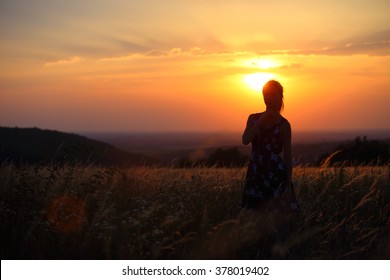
(199, 65)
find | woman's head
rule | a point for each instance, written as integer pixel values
(273, 95)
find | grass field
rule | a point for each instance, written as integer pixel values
(87, 212)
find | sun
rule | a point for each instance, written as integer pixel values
(256, 81)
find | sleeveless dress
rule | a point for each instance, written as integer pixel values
(266, 174)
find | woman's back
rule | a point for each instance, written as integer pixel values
(268, 141)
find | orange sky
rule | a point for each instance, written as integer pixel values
(192, 65)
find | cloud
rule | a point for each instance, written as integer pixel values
(378, 48)
(72, 60)
(381, 48)
(373, 44)
(174, 52)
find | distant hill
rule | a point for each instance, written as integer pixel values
(34, 145)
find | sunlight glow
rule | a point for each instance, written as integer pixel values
(256, 81)
(262, 63)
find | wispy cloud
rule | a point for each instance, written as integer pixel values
(378, 48)
(373, 44)
(381, 48)
(72, 60)
(174, 52)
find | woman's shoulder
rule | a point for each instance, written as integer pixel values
(283, 120)
(285, 124)
(252, 119)
(255, 115)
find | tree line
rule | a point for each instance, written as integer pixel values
(359, 151)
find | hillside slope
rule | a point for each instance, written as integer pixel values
(34, 145)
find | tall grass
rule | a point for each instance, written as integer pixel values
(87, 212)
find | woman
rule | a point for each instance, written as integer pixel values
(268, 182)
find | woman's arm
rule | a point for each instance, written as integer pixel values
(250, 130)
(286, 134)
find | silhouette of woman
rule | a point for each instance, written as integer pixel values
(268, 182)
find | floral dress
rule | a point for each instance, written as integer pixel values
(266, 174)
